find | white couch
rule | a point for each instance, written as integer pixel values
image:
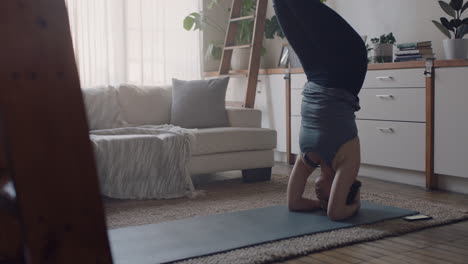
(242, 146)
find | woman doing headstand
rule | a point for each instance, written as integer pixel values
(334, 58)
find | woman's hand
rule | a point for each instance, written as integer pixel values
(357, 199)
(356, 205)
(324, 204)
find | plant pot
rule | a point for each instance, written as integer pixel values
(240, 59)
(382, 53)
(456, 49)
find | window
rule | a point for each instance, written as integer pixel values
(134, 41)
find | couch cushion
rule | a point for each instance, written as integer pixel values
(232, 139)
(102, 108)
(200, 103)
(145, 105)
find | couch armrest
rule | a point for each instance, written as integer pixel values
(244, 117)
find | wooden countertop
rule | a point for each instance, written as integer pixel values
(372, 67)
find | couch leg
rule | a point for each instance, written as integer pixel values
(256, 175)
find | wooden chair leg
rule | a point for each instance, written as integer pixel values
(59, 203)
(10, 240)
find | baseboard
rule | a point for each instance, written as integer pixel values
(452, 184)
(415, 178)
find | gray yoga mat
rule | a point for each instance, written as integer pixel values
(204, 235)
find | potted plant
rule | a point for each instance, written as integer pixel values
(456, 47)
(383, 48)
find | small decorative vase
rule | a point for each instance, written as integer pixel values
(382, 53)
(456, 49)
(240, 59)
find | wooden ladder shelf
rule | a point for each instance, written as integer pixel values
(255, 48)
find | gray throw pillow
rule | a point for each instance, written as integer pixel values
(199, 104)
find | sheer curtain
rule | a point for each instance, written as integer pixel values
(134, 41)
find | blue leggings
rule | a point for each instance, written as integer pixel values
(334, 58)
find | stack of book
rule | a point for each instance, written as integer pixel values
(416, 51)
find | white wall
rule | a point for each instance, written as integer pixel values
(409, 20)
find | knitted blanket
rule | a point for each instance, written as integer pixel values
(148, 162)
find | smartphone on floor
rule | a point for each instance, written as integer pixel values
(417, 217)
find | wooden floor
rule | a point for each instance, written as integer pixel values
(446, 244)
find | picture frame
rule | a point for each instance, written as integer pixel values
(294, 61)
(284, 57)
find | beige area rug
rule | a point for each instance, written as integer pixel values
(232, 195)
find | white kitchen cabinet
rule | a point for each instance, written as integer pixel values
(391, 122)
(295, 129)
(296, 101)
(298, 81)
(271, 100)
(451, 122)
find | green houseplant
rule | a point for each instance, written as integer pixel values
(201, 21)
(456, 47)
(383, 48)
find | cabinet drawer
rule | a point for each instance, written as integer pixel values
(295, 128)
(298, 80)
(392, 144)
(296, 101)
(405, 78)
(406, 104)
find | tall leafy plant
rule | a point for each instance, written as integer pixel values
(456, 25)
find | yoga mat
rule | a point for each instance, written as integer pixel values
(204, 235)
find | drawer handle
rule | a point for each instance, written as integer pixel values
(385, 78)
(386, 130)
(385, 96)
